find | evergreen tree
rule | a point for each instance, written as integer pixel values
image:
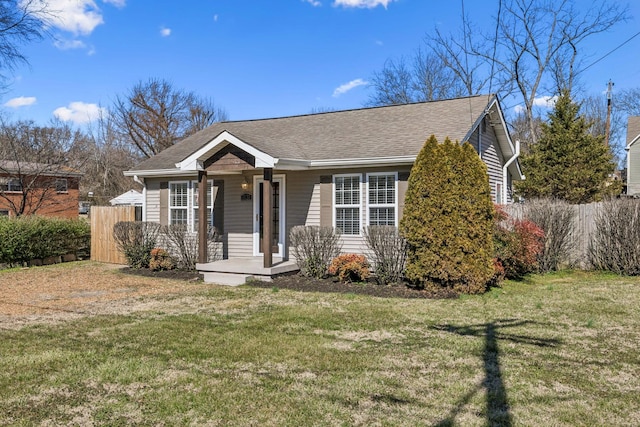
(568, 163)
(448, 219)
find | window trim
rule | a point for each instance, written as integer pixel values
(383, 205)
(358, 206)
(171, 208)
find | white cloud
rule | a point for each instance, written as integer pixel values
(74, 16)
(369, 4)
(314, 3)
(69, 44)
(117, 3)
(541, 101)
(348, 86)
(21, 101)
(165, 32)
(79, 112)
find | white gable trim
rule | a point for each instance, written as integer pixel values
(633, 141)
(195, 161)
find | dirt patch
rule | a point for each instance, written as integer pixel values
(81, 288)
(306, 284)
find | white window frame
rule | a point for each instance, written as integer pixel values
(172, 208)
(499, 190)
(357, 206)
(193, 195)
(383, 205)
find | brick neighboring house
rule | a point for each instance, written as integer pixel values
(47, 190)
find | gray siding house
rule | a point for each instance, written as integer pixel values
(633, 155)
(345, 169)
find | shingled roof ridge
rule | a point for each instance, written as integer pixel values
(489, 96)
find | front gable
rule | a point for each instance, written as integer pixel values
(238, 154)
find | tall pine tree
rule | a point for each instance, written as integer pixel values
(567, 162)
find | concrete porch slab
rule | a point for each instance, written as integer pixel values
(236, 271)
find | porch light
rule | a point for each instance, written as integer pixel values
(245, 185)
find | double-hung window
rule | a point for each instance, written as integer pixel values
(178, 203)
(347, 203)
(382, 200)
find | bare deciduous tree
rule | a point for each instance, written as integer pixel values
(425, 78)
(154, 115)
(628, 101)
(536, 46)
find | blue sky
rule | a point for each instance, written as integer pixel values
(255, 58)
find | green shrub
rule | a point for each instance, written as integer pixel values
(135, 240)
(34, 237)
(350, 268)
(448, 219)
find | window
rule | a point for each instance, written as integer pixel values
(4, 212)
(10, 184)
(347, 203)
(382, 200)
(183, 204)
(62, 185)
(178, 202)
(195, 204)
(499, 193)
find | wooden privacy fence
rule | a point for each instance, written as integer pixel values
(103, 245)
(583, 227)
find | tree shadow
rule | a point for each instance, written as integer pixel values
(497, 405)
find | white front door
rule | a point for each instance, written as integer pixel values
(277, 215)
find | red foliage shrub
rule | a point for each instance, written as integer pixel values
(518, 244)
(160, 260)
(350, 268)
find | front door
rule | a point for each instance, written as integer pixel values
(277, 216)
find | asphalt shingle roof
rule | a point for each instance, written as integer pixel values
(391, 131)
(633, 128)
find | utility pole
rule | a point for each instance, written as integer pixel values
(608, 124)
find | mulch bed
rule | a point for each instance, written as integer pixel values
(301, 283)
(297, 282)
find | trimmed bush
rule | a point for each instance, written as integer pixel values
(314, 247)
(135, 240)
(518, 244)
(448, 219)
(183, 244)
(33, 237)
(350, 268)
(615, 243)
(389, 252)
(556, 219)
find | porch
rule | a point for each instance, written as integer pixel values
(236, 271)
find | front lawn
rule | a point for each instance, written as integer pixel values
(555, 350)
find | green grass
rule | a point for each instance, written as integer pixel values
(555, 350)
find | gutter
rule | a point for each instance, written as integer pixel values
(504, 172)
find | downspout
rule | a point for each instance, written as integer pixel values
(504, 172)
(137, 179)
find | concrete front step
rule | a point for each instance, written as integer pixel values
(236, 271)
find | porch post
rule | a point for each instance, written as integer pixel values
(203, 226)
(267, 209)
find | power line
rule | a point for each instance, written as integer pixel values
(609, 53)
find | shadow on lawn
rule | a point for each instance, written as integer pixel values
(498, 411)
